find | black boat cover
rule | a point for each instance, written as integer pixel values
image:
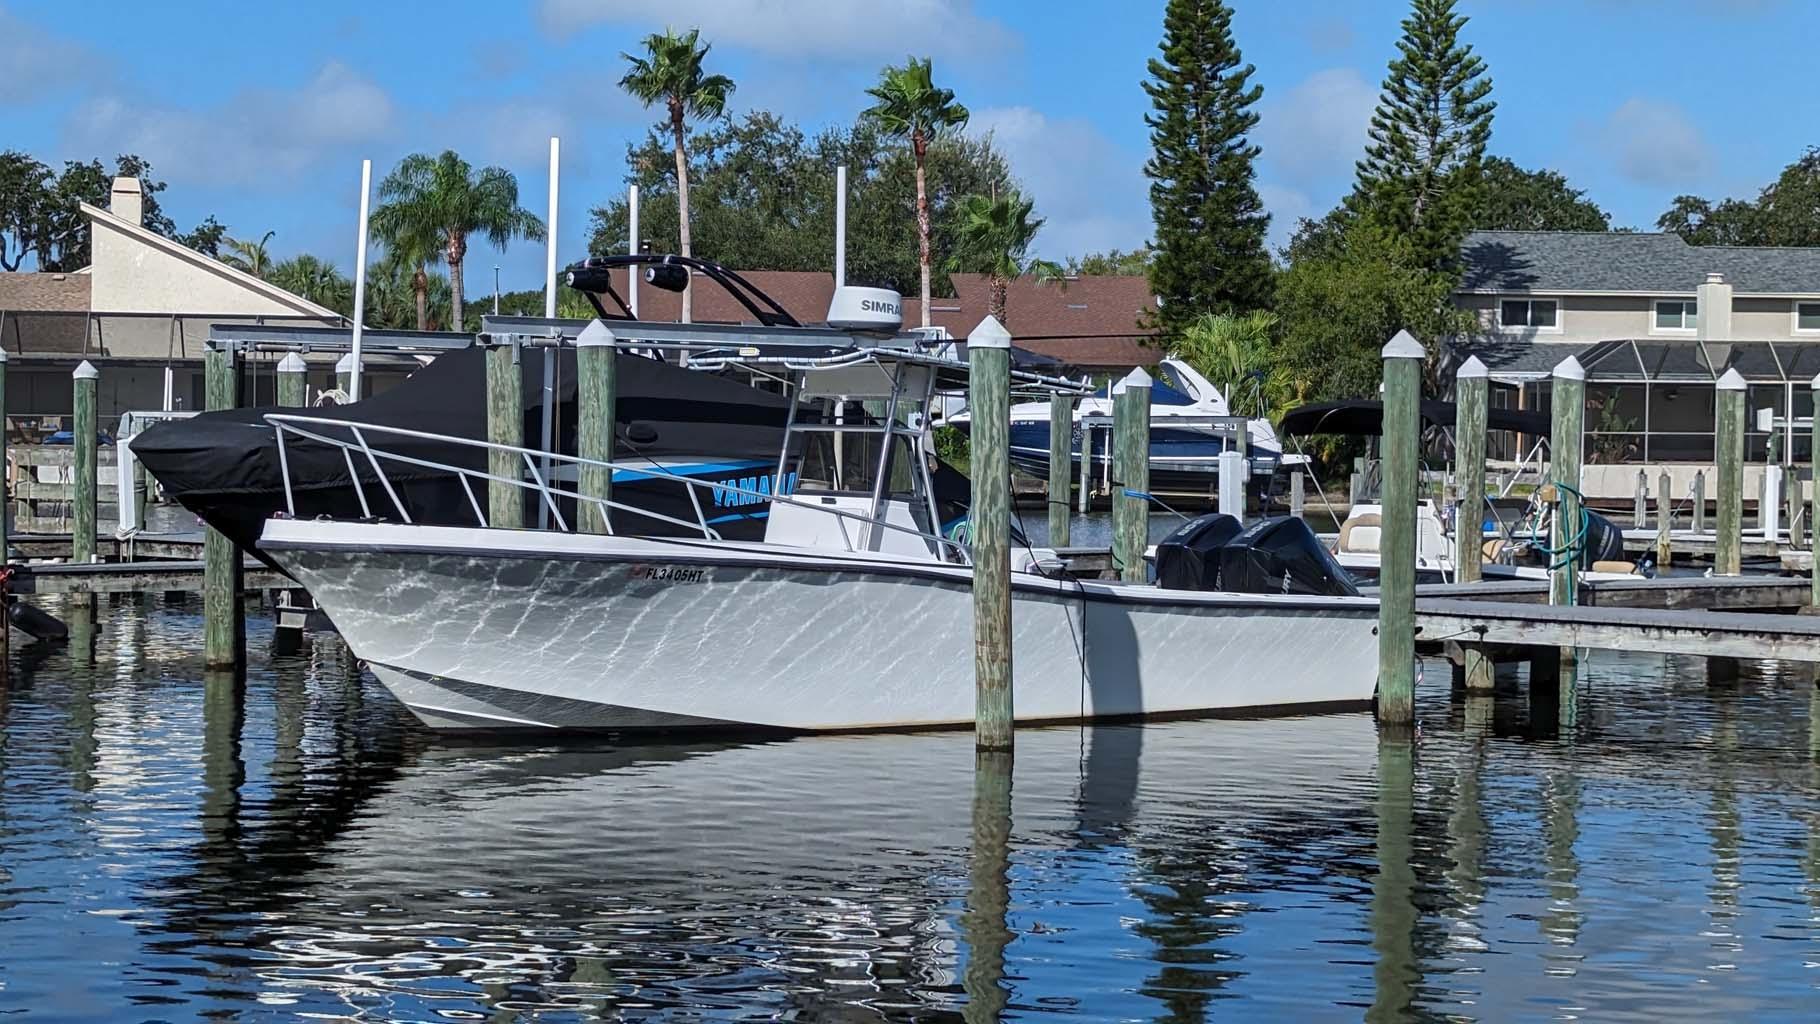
(224, 466)
(1366, 418)
(1279, 555)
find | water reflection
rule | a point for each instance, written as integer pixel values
(175, 844)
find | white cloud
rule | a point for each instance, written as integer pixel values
(1655, 143)
(1092, 194)
(1315, 130)
(257, 136)
(35, 63)
(1287, 207)
(802, 28)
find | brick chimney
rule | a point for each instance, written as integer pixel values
(127, 200)
(1714, 301)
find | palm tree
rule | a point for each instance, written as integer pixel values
(670, 72)
(1234, 351)
(444, 197)
(316, 280)
(910, 106)
(248, 256)
(412, 238)
(994, 238)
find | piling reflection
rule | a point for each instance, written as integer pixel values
(1466, 829)
(1561, 922)
(988, 889)
(1725, 830)
(1396, 972)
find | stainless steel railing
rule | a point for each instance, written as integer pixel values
(311, 428)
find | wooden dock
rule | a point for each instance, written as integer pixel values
(1695, 632)
(164, 576)
(1707, 593)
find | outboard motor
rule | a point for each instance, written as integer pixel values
(1604, 541)
(1281, 555)
(1189, 558)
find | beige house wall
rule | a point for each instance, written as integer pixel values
(1589, 318)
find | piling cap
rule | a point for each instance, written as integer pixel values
(1731, 381)
(2, 357)
(595, 334)
(989, 334)
(1137, 378)
(1403, 346)
(86, 371)
(345, 364)
(1815, 383)
(1472, 369)
(292, 363)
(1569, 369)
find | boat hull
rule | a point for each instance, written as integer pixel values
(497, 629)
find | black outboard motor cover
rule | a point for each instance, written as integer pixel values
(1604, 542)
(1189, 558)
(1281, 555)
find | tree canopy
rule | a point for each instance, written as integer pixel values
(1786, 212)
(1420, 177)
(1210, 223)
(39, 217)
(763, 193)
(1513, 199)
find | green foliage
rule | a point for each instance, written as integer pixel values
(251, 257)
(1421, 174)
(1111, 263)
(1210, 223)
(206, 238)
(1513, 199)
(1340, 304)
(446, 196)
(39, 215)
(314, 279)
(1786, 212)
(909, 105)
(994, 239)
(1238, 354)
(763, 193)
(392, 295)
(671, 73)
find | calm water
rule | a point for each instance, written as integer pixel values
(171, 852)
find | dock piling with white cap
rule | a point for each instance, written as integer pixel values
(989, 399)
(1131, 475)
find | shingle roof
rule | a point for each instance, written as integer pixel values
(1091, 322)
(1653, 262)
(40, 293)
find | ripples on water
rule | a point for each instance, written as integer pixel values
(168, 852)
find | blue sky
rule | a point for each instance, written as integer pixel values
(261, 113)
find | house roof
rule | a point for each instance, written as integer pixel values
(1086, 321)
(1615, 261)
(138, 233)
(44, 293)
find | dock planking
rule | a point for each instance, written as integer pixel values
(1708, 593)
(129, 577)
(1655, 630)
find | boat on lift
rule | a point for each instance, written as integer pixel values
(854, 611)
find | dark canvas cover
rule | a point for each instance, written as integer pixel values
(1282, 555)
(1189, 558)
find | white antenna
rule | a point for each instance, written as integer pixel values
(360, 278)
(632, 248)
(549, 263)
(840, 226)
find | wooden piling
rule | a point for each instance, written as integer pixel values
(989, 399)
(1665, 521)
(1729, 449)
(1699, 513)
(83, 521)
(1796, 505)
(223, 621)
(1061, 468)
(1086, 491)
(1639, 505)
(1472, 388)
(1813, 458)
(1298, 500)
(293, 382)
(1397, 539)
(505, 425)
(1131, 474)
(6, 498)
(1565, 448)
(596, 397)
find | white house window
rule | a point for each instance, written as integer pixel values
(1807, 316)
(1529, 314)
(1676, 314)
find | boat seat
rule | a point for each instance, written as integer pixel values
(1359, 534)
(1614, 566)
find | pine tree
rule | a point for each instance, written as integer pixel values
(1210, 223)
(1422, 169)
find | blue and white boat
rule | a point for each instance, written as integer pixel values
(1186, 438)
